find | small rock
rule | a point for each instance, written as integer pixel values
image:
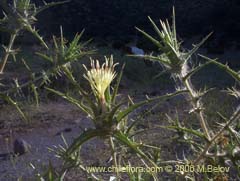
(20, 146)
(66, 130)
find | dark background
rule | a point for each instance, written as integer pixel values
(116, 19)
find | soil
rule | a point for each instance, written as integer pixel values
(48, 123)
(44, 131)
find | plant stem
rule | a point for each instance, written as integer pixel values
(235, 116)
(8, 51)
(103, 104)
(114, 155)
(216, 136)
(197, 106)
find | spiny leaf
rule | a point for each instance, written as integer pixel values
(174, 28)
(114, 110)
(35, 92)
(72, 100)
(125, 140)
(196, 69)
(48, 5)
(157, 43)
(187, 130)
(36, 34)
(226, 68)
(15, 104)
(75, 42)
(196, 47)
(85, 136)
(45, 57)
(159, 59)
(155, 27)
(134, 146)
(115, 89)
(233, 92)
(131, 108)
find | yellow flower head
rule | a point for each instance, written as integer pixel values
(100, 77)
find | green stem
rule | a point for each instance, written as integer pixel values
(8, 51)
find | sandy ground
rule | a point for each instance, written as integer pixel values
(42, 133)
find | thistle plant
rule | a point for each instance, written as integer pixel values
(177, 62)
(20, 16)
(108, 114)
(231, 125)
(62, 54)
